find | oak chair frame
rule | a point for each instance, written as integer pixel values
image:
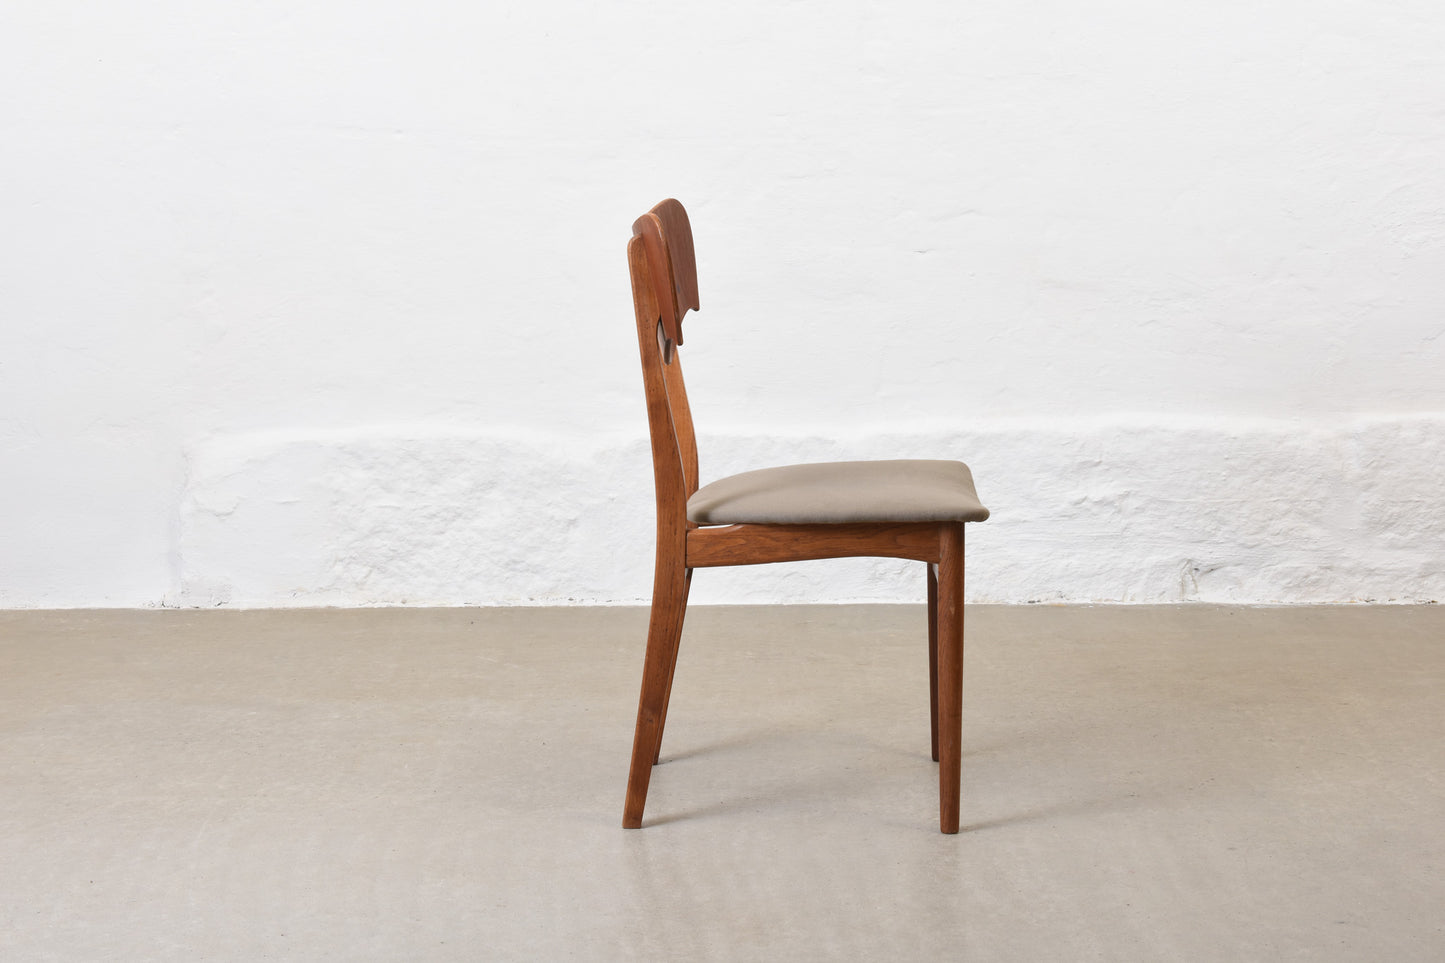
(664, 288)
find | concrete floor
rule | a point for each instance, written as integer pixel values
(1145, 783)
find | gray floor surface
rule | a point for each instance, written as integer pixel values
(1140, 783)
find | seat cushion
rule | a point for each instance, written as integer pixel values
(840, 492)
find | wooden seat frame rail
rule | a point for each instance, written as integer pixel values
(664, 287)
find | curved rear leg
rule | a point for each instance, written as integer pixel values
(672, 668)
(664, 629)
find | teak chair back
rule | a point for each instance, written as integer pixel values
(664, 288)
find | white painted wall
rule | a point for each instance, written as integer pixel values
(327, 303)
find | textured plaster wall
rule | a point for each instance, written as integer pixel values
(1131, 509)
(327, 304)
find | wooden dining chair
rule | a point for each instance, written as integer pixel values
(890, 509)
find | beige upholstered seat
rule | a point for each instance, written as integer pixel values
(841, 492)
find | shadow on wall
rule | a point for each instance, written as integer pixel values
(1097, 510)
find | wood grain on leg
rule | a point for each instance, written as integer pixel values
(672, 668)
(933, 659)
(664, 630)
(950, 674)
